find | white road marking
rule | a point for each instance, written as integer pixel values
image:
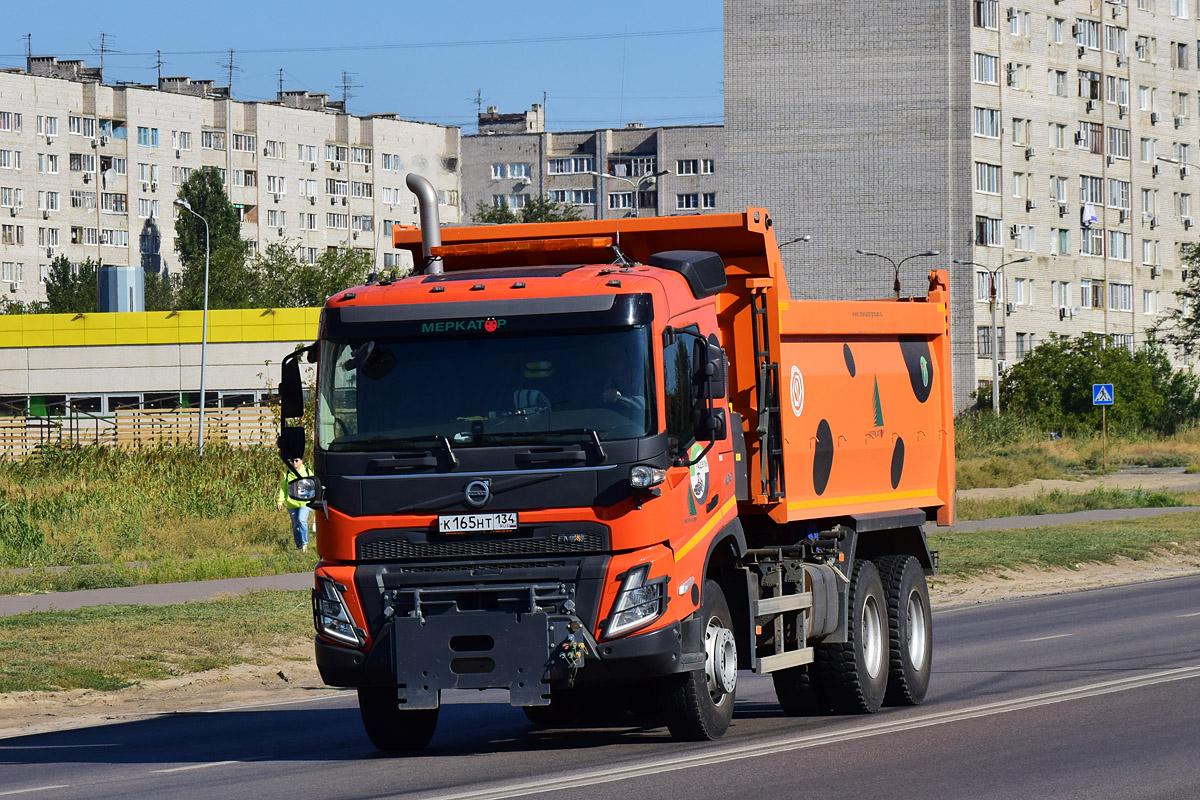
(34, 789)
(313, 699)
(708, 757)
(196, 766)
(1047, 638)
(1193, 614)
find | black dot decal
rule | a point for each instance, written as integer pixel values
(849, 359)
(822, 457)
(897, 462)
(919, 364)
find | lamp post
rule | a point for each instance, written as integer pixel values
(186, 206)
(637, 185)
(992, 275)
(897, 265)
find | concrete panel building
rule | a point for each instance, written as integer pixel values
(1063, 131)
(606, 173)
(89, 170)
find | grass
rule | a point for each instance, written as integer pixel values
(1063, 546)
(112, 647)
(102, 508)
(1060, 502)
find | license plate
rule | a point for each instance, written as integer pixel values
(477, 523)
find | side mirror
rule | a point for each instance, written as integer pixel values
(290, 442)
(305, 490)
(716, 368)
(291, 391)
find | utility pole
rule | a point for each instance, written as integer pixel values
(279, 94)
(28, 49)
(158, 63)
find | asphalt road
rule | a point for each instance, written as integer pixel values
(1087, 695)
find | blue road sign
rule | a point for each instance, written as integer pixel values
(1102, 394)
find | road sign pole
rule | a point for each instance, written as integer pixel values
(1104, 438)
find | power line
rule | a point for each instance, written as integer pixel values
(415, 45)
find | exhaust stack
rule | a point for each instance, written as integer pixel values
(431, 230)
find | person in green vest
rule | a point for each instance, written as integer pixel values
(297, 510)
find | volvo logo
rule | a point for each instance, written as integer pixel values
(478, 493)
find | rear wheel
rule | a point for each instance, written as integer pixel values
(699, 704)
(390, 728)
(796, 691)
(909, 625)
(853, 675)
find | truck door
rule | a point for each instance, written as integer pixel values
(701, 476)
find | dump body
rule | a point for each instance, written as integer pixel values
(620, 454)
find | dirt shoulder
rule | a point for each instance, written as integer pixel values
(290, 675)
(1168, 479)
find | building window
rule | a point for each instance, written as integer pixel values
(987, 231)
(336, 154)
(987, 178)
(1149, 150)
(1149, 301)
(1150, 252)
(1091, 241)
(1116, 90)
(985, 341)
(1091, 190)
(1118, 142)
(1121, 340)
(1090, 137)
(1183, 204)
(1060, 242)
(360, 155)
(987, 69)
(987, 122)
(1179, 8)
(1022, 185)
(1057, 136)
(1089, 84)
(687, 166)
(1019, 75)
(620, 200)
(1091, 293)
(1021, 131)
(1115, 40)
(708, 200)
(579, 197)
(1056, 30)
(1022, 291)
(571, 166)
(147, 137)
(1118, 194)
(1023, 345)
(707, 166)
(1056, 82)
(1019, 22)
(1087, 33)
(1024, 240)
(245, 142)
(1060, 291)
(1120, 249)
(984, 285)
(1058, 189)
(687, 201)
(986, 14)
(212, 140)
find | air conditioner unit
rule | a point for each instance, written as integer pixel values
(177, 155)
(1155, 117)
(1030, 205)
(1108, 160)
(1063, 209)
(278, 197)
(12, 212)
(312, 167)
(154, 187)
(1155, 271)
(1178, 122)
(1120, 60)
(337, 166)
(1012, 231)
(1122, 110)
(345, 201)
(46, 214)
(1082, 51)
(524, 180)
(14, 286)
(367, 167)
(103, 141)
(1091, 106)
(1010, 308)
(355, 234)
(280, 231)
(312, 200)
(1029, 153)
(145, 186)
(1183, 274)
(1078, 138)
(1153, 222)
(1012, 13)
(1124, 215)
(1183, 172)
(1075, 30)
(1064, 313)
(265, 151)
(1187, 223)
(1154, 170)
(87, 177)
(103, 238)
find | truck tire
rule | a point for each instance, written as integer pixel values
(797, 693)
(853, 675)
(699, 704)
(909, 628)
(388, 727)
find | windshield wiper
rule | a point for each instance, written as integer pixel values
(593, 437)
(391, 443)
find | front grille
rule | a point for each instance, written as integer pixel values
(390, 548)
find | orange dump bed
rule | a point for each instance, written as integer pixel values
(846, 405)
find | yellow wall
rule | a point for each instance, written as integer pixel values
(158, 327)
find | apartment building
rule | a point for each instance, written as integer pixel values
(607, 173)
(89, 170)
(1062, 131)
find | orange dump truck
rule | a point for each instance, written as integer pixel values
(606, 465)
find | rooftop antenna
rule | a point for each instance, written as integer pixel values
(231, 67)
(158, 62)
(346, 93)
(28, 47)
(279, 96)
(104, 48)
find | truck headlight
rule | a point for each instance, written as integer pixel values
(644, 477)
(331, 617)
(638, 603)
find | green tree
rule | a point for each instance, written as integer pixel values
(161, 290)
(284, 280)
(537, 209)
(1179, 329)
(1052, 385)
(72, 288)
(230, 280)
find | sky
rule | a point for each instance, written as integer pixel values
(658, 62)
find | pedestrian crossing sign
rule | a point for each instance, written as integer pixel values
(1102, 394)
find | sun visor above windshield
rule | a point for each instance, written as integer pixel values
(486, 317)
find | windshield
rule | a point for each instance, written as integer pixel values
(486, 390)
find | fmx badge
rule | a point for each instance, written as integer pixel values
(699, 478)
(1102, 394)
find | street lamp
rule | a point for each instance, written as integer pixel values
(995, 333)
(637, 185)
(186, 206)
(896, 266)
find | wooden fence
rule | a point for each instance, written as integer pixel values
(241, 427)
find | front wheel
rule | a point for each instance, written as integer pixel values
(390, 728)
(909, 625)
(853, 675)
(699, 704)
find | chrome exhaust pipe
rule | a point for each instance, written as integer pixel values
(431, 226)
